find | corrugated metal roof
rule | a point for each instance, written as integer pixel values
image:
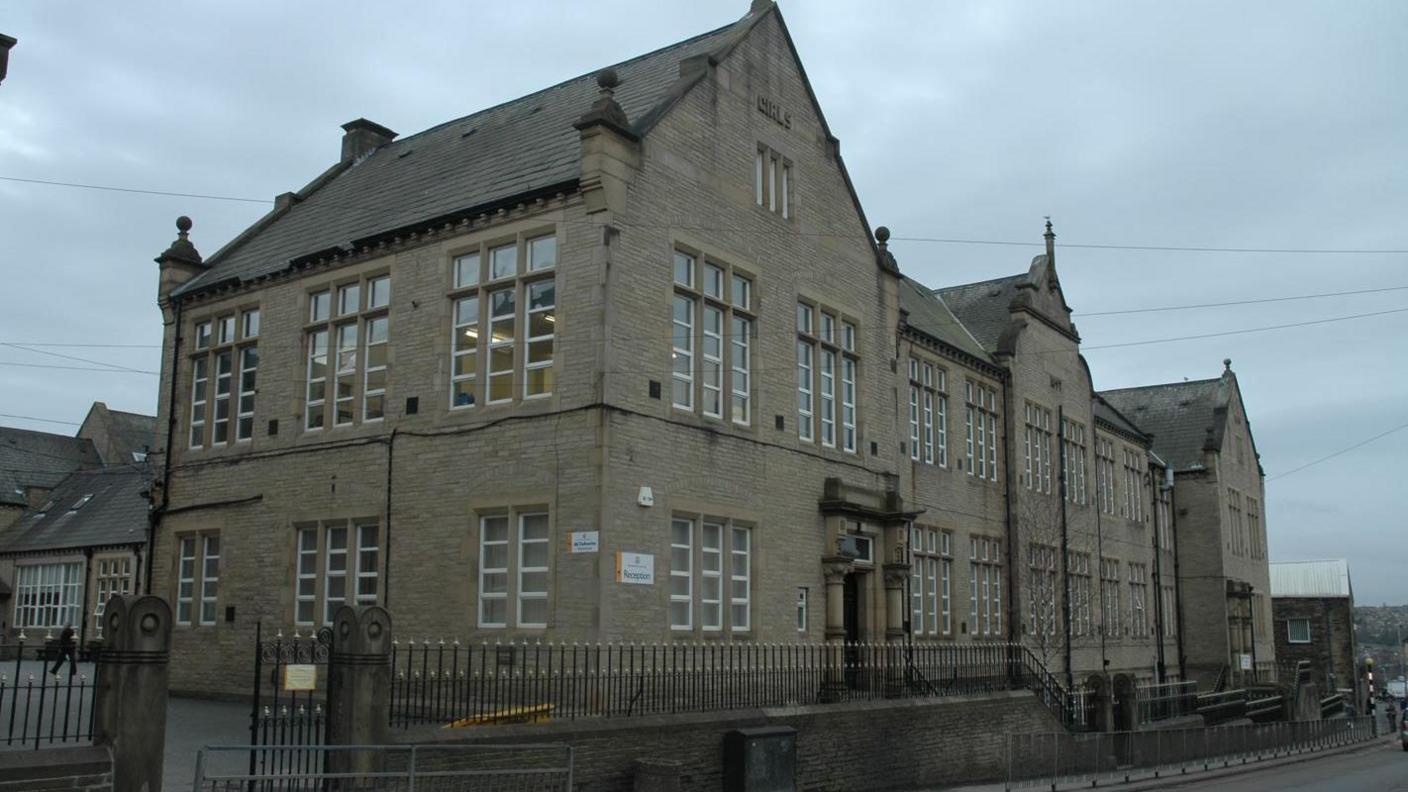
(1329, 578)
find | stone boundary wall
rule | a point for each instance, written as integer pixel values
(903, 743)
(83, 769)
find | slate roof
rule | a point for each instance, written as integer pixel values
(130, 434)
(929, 315)
(508, 150)
(1177, 414)
(1107, 413)
(1329, 578)
(983, 306)
(39, 459)
(116, 514)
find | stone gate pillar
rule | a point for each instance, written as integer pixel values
(896, 575)
(129, 707)
(835, 569)
(359, 686)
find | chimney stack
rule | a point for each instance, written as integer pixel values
(6, 42)
(362, 137)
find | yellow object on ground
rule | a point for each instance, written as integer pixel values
(534, 714)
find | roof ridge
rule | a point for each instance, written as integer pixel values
(1161, 385)
(556, 85)
(980, 283)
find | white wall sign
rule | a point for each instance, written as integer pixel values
(300, 677)
(1246, 662)
(584, 541)
(636, 568)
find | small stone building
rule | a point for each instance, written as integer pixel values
(68, 555)
(73, 521)
(1312, 606)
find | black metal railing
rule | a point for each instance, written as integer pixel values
(453, 683)
(1064, 760)
(39, 708)
(1162, 701)
(288, 712)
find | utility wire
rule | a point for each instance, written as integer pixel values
(42, 420)
(1245, 330)
(935, 240)
(78, 368)
(756, 369)
(112, 366)
(1084, 314)
(1344, 450)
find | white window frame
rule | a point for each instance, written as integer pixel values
(305, 574)
(682, 348)
(224, 364)
(523, 594)
(209, 579)
(509, 320)
(848, 390)
(329, 574)
(375, 344)
(485, 570)
(200, 400)
(740, 360)
(1291, 636)
(530, 341)
(683, 573)
(186, 580)
(711, 380)
(740, 573)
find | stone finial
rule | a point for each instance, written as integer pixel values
(1227, 364)
(181, 250)
(1050, 237)
(606, 111)
(607, 80)
(883, 256)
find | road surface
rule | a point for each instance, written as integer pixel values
(1380, 768)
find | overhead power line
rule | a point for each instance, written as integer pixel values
(934, 240)
(1084, 314)
(78, 368)
(1340, 452)
(41, 420)
(1245, 330)
(112, 366)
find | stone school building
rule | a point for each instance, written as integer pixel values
(621, 360)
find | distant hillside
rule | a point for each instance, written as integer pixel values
(1376, 623)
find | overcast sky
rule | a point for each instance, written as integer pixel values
(1166, 124)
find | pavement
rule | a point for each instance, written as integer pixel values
(192, 724)
(1378, 765)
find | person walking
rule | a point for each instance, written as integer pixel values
(1392, 712)
(68, 650)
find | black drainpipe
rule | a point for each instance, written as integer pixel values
(1156, 488)
(386, 574)
(1014, 611)
(154, 517)
(87, 582)
(1177, 580)
(1066, 547)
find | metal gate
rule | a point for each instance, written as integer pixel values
(288, 717)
